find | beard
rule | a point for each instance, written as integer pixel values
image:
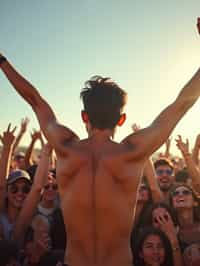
(165, 187)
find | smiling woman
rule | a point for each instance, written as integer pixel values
(153, 248)
(186, 205)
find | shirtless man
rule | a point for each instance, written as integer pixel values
(97, 177)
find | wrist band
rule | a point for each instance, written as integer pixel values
(2, 59)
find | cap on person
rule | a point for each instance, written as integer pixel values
(19, 155)
(16, 175)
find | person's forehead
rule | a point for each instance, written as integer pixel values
(153, 238)
(180, 188)
(20, 182)
(165, 166)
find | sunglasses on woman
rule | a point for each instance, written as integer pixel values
(24, 189)
(184, 192)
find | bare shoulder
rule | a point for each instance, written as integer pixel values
(61, 138)
(133, 145)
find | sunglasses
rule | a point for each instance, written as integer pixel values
(160, 172)
(25, 189)
(184, 192)
(48, 186)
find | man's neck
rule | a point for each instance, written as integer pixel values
(101, 135)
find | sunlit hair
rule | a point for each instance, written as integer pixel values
(163, 162)
(103, 101)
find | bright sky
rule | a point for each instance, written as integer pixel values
(149, 47)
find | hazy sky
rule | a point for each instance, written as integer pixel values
(150, 47)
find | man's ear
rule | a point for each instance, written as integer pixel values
(121, 119)
(84, 116)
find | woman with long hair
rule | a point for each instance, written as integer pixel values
(153, 248)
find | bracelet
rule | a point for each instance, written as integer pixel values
(2, 59)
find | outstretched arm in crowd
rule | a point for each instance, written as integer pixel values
(36, 135)
(158, 132)
(149, 172)
(195, 152)
(7, 140)
(33, 198)
(22, 131)
(193, 170)
(55, 133)
(167, 148)
(166, 224)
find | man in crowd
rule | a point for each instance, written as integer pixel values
(97, 177)
(165, 175)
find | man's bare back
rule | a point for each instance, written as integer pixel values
(98, 194)
(98, 178)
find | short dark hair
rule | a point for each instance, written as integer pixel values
(103, 101)
(182, 176)
(163, 161)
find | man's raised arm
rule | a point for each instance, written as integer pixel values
(149, 139)
(54, 132)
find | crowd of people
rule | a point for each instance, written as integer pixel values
(166, 228)
(97, 202)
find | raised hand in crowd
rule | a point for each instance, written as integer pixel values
(24, 124)
(7, 139)
(166, 224)
(35, 135)
(193, 170)
(195, 152)
(33, 198)
(167, 146)
(183, 146)
(149, 173)
(166, 153)
(22, 131)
